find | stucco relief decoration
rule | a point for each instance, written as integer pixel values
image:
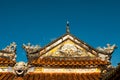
(107, 51)
(11, 47)
(31, 48)
(69, 50)
(9, 51)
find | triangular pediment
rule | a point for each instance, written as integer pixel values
(68, 46)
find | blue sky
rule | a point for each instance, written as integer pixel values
(97, 22)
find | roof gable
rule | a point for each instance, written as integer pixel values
(68, 46)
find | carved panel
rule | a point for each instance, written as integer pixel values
(68, 49)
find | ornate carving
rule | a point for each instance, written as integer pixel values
(31, 48)
(11, 47)
(9, 51)
(109, 49)
(20, 68)
(69, 50)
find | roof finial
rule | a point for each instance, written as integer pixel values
(67, 27)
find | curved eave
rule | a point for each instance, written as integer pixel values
(51, 76)
(65, 62)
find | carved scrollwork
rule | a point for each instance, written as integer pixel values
(9, 51)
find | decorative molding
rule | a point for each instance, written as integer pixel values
(67, 70)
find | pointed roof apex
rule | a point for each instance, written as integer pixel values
(67, 27)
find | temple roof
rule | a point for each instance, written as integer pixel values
(61, 40)
(51, 76)
(72, 38)
(65, 52)
(8, 55)
(68, 62)
(6, 62)
(68, 46)
(75, 48)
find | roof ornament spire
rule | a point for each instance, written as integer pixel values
(67, 27)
